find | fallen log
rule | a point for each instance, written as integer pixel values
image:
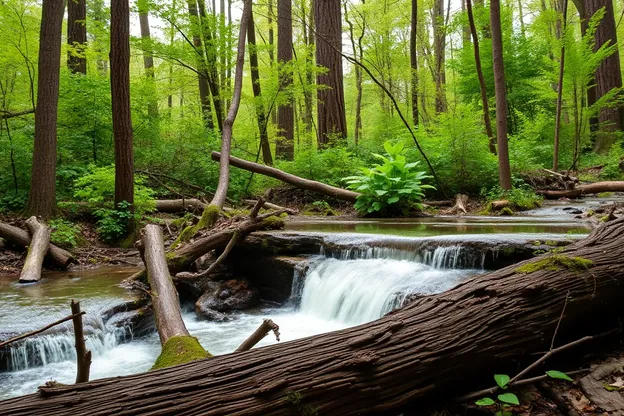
(6, 114)
(19, 237)
(83, 355)
(268, 205)
(434, 348)
(579, 191)
(40, 242)
(178, 346)
(179, 205)
(291, 179)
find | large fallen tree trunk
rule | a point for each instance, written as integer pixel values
(178, 346)
(179, 205)
(17, 236)
(291, 179)
(591, 188)
(40, 242)
(435, 347)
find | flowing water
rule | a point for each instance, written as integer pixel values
(337, 290)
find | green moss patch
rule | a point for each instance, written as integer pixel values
(208, 219)
(557, 262)
(179, 350)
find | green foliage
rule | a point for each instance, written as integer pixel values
(392, 185)
(504, 399)
(13, 201)
(113, 224)
(328, 166)
(612, 169)
(501, 380)
(65, 233)
(558, 375)
(520, 198)
(98, 188)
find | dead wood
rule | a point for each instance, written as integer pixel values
(21, 238)
(37, 250)
(291, 179)
(593, 385)
(435, 347)
(268, 205)
(173, 206)
(499, 205)
(579, 191)
(460, 206)
(263, 330)
(83, 356)
(444, 203)
(6, 115)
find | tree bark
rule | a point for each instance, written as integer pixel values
(77, 36)
(31, 272)
(83, 356)
(288, 178)
(592, 188)
(285, 147)
(17, 236)
(212, 73)
(120, 99)
(148, 57)
(257, 92)
(482, 86)
(332, 121)
(414, 60)
(42, 194)
(435, 347)
(263, 330)
(504, 170)
(439, 52)
(179, 205)
(560, 89)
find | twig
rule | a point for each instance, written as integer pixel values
(38, 331)
(565, 303)
(221, 258)
(265, 327)
(257, 207)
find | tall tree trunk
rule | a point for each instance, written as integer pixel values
(504, 170)
(99, 17)
(270, 18)
(357, 54)
(285, 146)
(148, 57)
(222, 46)
(226, 136)
(257, 92)
(414, 60)
(308, 32)
(202, 67)
(42, 194)
(439, 51)
(212, 73)
(332, 121)
(484, 97)
(608, 75)
(120, 99)
(560, 89)
(521, 18)
(77, 36)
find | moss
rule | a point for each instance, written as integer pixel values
(179, 222)
(506, 211)
(507, 251)
(552, 243)
(208, 219)
(179, 350)
(605, 195)
(273, 222)
(557, 262)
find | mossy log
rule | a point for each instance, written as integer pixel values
(17, 236)
(178, 346)
(590, 188)
(40, 243)
(432, 349)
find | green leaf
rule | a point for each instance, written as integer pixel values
(380, 192)
(486, 401)
(502, 380)
(509, 398)
(393, 200)
(558, 375)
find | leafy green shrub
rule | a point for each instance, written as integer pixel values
(612, 169)
(393, 185)
(65, 233)
(521, 198)
(98, 187)
(13, 201)
(328, 166)
(113, 224)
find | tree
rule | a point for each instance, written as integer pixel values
(42, 194)
(358, 51)
(120, 99)
(504, 170)
(482, 86)
(212, 73)
(77, 36)
(285, 147)
(148, 55)
(439, 51)
(414, 60)
(332, 121)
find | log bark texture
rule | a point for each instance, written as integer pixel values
(165, 300)
(17, 236)
(288, 178)
(83, 356)
(437, 346)
(579, 191)
(40, 242)
(179, 205)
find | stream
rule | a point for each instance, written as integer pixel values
(333, 292)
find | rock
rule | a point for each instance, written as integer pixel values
(231, 295)
(208, 314)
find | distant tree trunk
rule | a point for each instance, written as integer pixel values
(560, 89)
(332, 121)
(202, 67)
(414, 60)
(212, 73)
(285, 147)
(42, 194)
(484, 97)
(357, 54)
(120, 99)
(270, 15)
(148, 56)
(504, 171)
(608, 75)
(308, 118)
(99, 18)
(77, 36)
(222, 47)
(521, 18)
(257, 91)
(466, 33)
(439, 50)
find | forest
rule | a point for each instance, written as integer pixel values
(458, 165)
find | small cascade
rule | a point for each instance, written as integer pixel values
(59, 346)
(355, 291)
